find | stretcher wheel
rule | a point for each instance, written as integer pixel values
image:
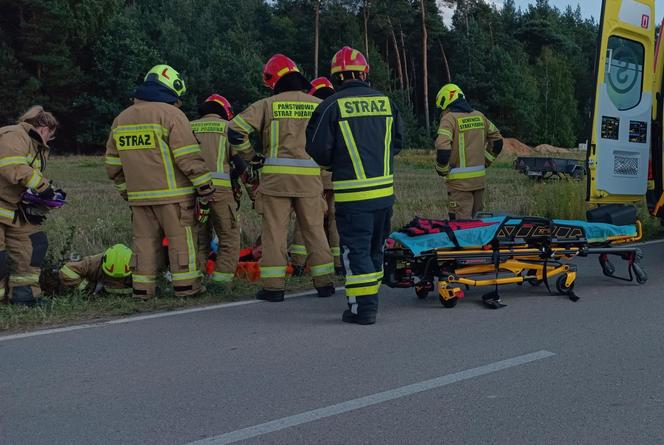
(533, 281)
(560, 284)
(421, 292)
(639, 273)
(608, 268)
(449, 303)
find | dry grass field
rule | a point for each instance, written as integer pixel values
(96, 218)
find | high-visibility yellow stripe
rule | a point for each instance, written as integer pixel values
(2, 292)
(182, 276)
(352, 149)
(6, 213)
(244, 146)
(297, 249)
(24, 279)
(156, 194)
(364, 278)
(117, 291)
(466, 175)
(191, 250)
(291, 170)
(388, 144)
(445, 132)
(35, 180)
(202, 179)
(489, 156)
(336, 251)
(83, 284)
(222, 277)
(369, 182)
(336, 69)
(121, 187)
(13, 160)
(273, 271)
(66, 271)
(221, 153)
(162, 132)
(363, 291)
(113, 160)
(243, 124)
(322, 269)
(274, 138)
(168, 164)
(143, 279)
(361, 196)
(186, 150)
(443, 169)
(221, 182)
(462, 151)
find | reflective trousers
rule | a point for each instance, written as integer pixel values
(297, 249)
(363, 237)
(150, 224)
(465, 205)
(25, 245)
(276, 212)
(224, 220)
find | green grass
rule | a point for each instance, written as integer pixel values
(96, 218)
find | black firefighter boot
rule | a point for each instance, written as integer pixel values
(367, 308)
(273, 296)
(327, 291)
(23, 296)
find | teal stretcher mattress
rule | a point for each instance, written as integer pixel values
(481, 236)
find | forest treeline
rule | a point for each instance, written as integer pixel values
(529, 70)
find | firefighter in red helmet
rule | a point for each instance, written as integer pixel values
(290, 179)
(355, 134)
(322, 88)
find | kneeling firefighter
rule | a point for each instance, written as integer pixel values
(106, 272)
(355, 134)
(466, 144)
(25, 195)
(322, 88)
(226, 165)
(154, 160)
(290, 179)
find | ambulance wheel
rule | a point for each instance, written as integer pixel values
(449, 303)
(532, 281)
(640, 274)
(421, 292)
(560, 284)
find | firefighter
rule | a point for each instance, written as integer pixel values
(289, 178)
(156, 164)
(322, 88)
(215, 137)
(466, 144)
(355, 134)
(23, 153)
(106, 272)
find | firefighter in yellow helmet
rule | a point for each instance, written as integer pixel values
(106, 272)
(23, 153)
(467, 143)
(156, 164)
(226, 162)
(289, 178)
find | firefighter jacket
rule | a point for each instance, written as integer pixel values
(153, 156)
(22, 157)
(326, 177)
(281, 121)
(212, 134)
(88, 274)
(356, 133)
(470, 137)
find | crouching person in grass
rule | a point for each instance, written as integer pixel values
(106, 272)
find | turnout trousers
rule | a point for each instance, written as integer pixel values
(275, 212)
(224, 221)
(298, 251)
(363, 237)
(25, 246)
(464, 205)
(150, 224)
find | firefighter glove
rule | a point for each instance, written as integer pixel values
(202, 209)
(238, 165)
(443, 170)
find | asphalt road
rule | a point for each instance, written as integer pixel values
(543, 370)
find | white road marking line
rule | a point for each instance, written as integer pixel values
(373, 399)
(132, 319)
(648, 243)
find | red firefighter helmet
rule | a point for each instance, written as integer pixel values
(349, 59)
(276, 68)
(223, 102)
(320, 82)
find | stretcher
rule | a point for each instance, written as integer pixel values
(507, 250)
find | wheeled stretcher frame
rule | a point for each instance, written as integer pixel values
(533, 251)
